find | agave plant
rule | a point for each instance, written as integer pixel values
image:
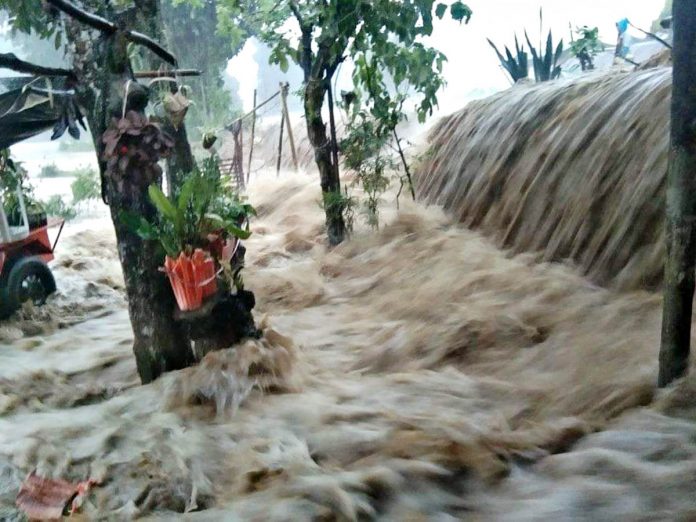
(517, 67)
(546, 63)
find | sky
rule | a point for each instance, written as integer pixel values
(473, 70)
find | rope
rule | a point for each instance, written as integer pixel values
(125, 99)
(200, 284)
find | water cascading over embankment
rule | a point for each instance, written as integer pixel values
(574, 170)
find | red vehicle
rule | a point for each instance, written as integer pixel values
(25, 250)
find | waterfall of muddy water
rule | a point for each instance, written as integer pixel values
(569, 170)
(416, 373)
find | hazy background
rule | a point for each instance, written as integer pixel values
(472, 70)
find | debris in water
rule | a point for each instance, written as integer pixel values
(48, 499)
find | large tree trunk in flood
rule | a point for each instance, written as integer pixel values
(681, 201)
(160, 343)
(328, 172)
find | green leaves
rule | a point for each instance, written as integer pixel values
(545, 63)
(460, 12)
(440, 10)
(204, 206)
(219, 222)
(162, 203)
(517, 67)
(586, 46)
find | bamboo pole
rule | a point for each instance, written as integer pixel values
(240, 157)
(253, 111)
(280, 143)
(284, 98)
(251, 144)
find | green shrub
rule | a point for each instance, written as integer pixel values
(50, 170)
(586, 46)
(340, 204)
(86, 185)
(55, 206)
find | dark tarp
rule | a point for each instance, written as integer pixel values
(30, 111)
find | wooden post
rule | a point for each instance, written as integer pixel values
(239, 159)
(407, 170)
(237, 163)
(681, 201)
(284, 97)
(280, 140)
(251, 144)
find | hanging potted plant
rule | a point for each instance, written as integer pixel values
(195, 236)
(133, 145)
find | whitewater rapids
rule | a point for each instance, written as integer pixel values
(416, 373)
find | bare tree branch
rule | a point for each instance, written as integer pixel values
(148, 42)
(296, 13)
(10, 61)
(105, 26)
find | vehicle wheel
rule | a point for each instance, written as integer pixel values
(29, 279)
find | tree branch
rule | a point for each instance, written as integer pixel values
(164, 73)
(296, 13)
(105, 26)
(10, 61)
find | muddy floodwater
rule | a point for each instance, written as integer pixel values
(415, 373)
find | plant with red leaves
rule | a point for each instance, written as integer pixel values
(133, 145)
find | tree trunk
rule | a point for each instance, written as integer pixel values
(181, 160)
(160, 344)
(681, 201)
(328, 172)
(102, 68)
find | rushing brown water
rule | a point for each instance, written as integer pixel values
(419, 373)
(572, 170)
(416, 373)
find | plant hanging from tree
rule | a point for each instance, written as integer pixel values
(199, 229)
(133, 145)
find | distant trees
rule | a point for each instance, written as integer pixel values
(191, 34)
(681, 202)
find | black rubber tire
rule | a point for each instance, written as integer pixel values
(27, 271)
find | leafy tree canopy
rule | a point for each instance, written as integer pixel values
(382, 37)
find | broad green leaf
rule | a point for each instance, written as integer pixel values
(163, 205)
(185, 194)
